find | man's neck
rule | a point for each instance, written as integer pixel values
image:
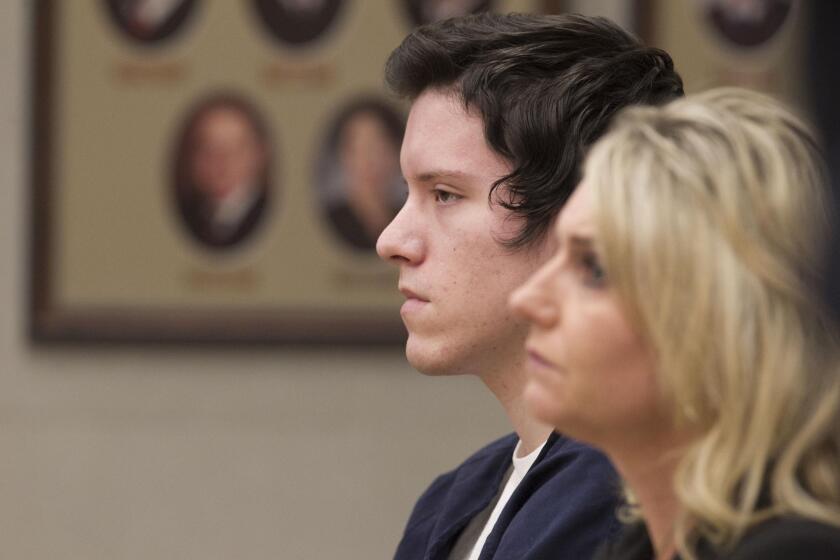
(508, 387)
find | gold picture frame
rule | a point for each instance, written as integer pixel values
(128, 243)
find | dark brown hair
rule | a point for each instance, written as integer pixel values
(546, 88)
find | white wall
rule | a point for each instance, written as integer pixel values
(197, 453)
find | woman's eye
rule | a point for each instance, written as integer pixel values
(445, 197)
(594, 274)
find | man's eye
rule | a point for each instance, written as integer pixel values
(445, 197)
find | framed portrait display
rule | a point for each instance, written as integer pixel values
(757, 44)
(215, 171)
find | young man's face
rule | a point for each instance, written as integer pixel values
(454, 272)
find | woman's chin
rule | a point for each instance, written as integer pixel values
(542, 405)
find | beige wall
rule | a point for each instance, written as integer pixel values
(213, 454)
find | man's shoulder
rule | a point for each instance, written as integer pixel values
(495, 452)
(563, 461)
(566, 500)
(559, 445)
(502, 447)
(560, 453)
(566, 505)
(454, 495)
(569, 455)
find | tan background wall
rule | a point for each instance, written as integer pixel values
(155, 453)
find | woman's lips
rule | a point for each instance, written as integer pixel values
(538, 360)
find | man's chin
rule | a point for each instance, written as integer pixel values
(430, 359)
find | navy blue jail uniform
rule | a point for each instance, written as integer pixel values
(564, 508)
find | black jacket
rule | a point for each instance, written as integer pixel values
(785, 538)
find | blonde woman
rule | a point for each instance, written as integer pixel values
(674, 329)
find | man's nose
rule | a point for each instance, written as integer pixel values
(401, 242)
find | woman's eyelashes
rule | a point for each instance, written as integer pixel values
(593, 273)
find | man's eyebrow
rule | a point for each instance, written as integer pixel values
(439, 174)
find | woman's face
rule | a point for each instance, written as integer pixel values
(589, 372)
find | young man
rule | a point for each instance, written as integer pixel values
(503, 109)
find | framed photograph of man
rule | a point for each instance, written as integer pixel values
(226, 185)
(222, 172)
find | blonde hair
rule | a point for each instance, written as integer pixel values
(713, 215)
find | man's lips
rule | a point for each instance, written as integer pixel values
(410, 294)
(413, 301)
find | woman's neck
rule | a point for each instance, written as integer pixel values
(648, 467)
